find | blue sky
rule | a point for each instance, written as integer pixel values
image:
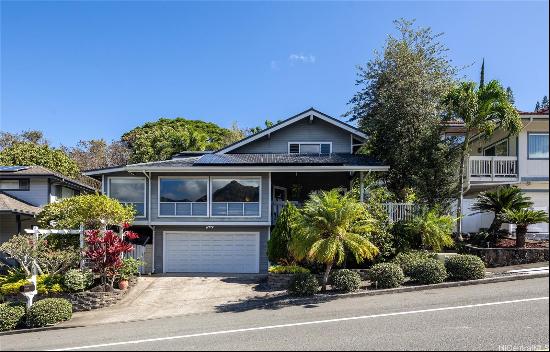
(82, 70)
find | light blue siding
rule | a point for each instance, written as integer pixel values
(301, 131)
(37, 194)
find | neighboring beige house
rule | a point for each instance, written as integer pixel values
(520, 160)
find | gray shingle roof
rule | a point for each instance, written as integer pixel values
(35, 170)
(9, 203)
(265, 160)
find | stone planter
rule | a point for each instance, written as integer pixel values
(495, 257)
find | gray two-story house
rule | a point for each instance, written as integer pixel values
(213, 211)
(24, 190)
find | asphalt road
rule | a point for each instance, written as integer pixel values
(502, 316)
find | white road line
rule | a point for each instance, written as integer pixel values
(269, 327)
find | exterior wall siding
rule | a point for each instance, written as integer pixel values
(532, 168)
(8, 225)
(37, 194)
(159, 237)
(301, 131)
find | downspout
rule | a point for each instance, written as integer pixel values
(148, 177)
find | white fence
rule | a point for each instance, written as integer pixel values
(401, 211)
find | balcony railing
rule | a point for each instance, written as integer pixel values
(493, 168)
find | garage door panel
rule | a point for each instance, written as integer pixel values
(209, 252)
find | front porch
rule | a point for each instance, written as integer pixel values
(295, 187)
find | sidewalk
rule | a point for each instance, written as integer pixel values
(518, 269)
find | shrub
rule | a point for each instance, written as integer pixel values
(11, 315)
(287, 269)
(406, 260)
(465, 267)
(49, 311)
(346, 280)
(386, 275)
(78, 280)
(277, 246)
(303, 284)
(129, 268)
(435, 230)
(427, 272)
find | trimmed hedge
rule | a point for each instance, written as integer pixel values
(287, 269)
(303, 284)
(465, 267)
(78, 280)
(346, 280)
(386, 275)
(11, 315)
(427, 272)
(406, 260)
(49, 311)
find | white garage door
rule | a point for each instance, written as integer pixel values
(206, 252)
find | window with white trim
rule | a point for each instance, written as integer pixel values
(182, 196)
(22, 184)
(538, 146)
(129, 191)
(235, 197)
(319, 148)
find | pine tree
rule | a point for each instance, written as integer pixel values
(482, 74)
(544, 103)
(537, 106)
(510, 95)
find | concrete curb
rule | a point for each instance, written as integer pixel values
(285, 300)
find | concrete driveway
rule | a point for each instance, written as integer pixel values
(173, 295)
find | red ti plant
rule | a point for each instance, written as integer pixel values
(104, 250)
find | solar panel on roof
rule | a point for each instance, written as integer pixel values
(12, 168)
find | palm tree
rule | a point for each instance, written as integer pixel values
(330, 225)
(522, 219)
(482, 110)
(435, 230)
(503, 198)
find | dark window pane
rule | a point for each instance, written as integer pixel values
(183, 190)
(294, 148)
(325, 148)
(235, 190)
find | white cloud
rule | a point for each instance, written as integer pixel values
(301, 58)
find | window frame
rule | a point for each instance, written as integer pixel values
(133, 178)
(208, 196)
(528, 143)
(314, 143)
(211, 199)
(19, 188)
(494, 145)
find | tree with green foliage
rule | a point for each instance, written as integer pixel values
(331, 225)
(537, 106)
(482, 74)
(435, 230)
(163, 138)
(277, 246)
(522, 219)
(27, 154)
(499, 200)
(399, 106)
(481, 110)
(94, 211)
(8, 139)
(544, 103)
(510, 95)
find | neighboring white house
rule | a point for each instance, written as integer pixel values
(520, 160)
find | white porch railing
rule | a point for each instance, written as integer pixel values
(401, 211)
(493, 168)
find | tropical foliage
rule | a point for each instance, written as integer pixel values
(399, 106)
(163, 138)
(27, 153)
(434, 230)
(332, 225)
(522, 219)
(91, 210)
(503, 198)
(482, 109)
(277, 246)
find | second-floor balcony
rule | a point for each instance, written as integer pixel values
(493, 169)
